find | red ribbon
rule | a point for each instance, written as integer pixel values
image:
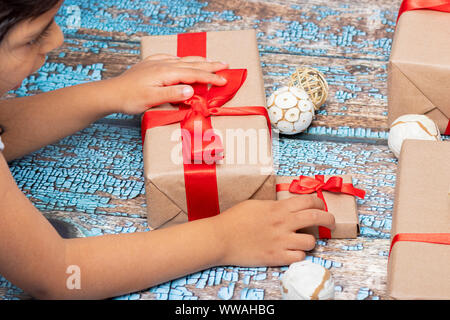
(437, 238)
(308, 185)
(436, 5)
(201, 147)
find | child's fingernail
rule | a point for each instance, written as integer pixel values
(223, 79)
(188, 91)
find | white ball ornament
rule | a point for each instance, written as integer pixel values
(303, 123)
(285, 100)
(306, 280)
(292, 114)
(290, 110)
(411, 126)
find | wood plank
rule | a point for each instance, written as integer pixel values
(96, 170)
(357, 266)
(357, 97)
(91, 183)
(358, 89)
(72, 161)
(320, 28)
(99, 170)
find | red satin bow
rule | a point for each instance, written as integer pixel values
(193, 116)
(437, 5)
(308, 185)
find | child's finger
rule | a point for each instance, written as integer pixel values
(303, 202)
(290, 256)
(312, 217)
(175, 93)
(189, 59)
(161, 56)
(189, 75)
(301, 241)
(194, 59)
(202, 65)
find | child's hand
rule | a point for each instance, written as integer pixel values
(162, 78)
(263, 233)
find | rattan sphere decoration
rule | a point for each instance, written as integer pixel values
(313, 82)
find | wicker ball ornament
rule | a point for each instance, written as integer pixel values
(313, 82)
(290, 110)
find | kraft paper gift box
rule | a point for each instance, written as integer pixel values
(342, 206)
(237, 180)
(419, 262)
(419, 67)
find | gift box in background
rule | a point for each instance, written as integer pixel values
(419, 65)
(177, 192)
(339, 195)
(419, 259)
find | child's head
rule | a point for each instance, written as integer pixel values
(27, 33)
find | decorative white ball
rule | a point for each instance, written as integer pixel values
(306, 280)
(411, 126)
(290, 110)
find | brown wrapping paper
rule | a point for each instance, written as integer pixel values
(342, 206)
(237, 180)
(419, 67)
(419, 270)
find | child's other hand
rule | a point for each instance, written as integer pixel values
(263, 233)
(162, 78)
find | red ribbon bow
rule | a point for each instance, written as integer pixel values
(194, 114)
(200, 143)
(308, 185)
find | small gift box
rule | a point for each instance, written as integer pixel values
(419, 64)
(419, 258)
(212, 151)
(338, 194)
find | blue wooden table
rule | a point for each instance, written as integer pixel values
(92, 183)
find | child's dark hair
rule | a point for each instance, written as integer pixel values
(15, 11)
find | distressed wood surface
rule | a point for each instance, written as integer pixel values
(91, 183)
(357, 95)
(349, 42)
(100, 170)
(342, 28)
(358, 266)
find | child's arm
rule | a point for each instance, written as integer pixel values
(33, 122)
(34, 257)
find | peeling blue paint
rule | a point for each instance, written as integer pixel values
(87, 171)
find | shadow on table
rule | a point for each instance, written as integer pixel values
(65, 229)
